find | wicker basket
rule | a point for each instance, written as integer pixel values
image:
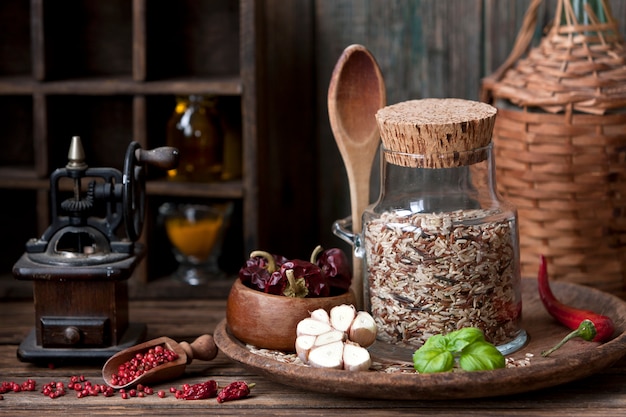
(560, 146)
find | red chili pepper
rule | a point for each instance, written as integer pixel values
(201, 391)
(335, 266)
(234, 391)
(570, 316)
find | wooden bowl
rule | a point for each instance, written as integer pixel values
(269, 321)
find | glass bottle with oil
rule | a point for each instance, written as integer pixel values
(194, 129)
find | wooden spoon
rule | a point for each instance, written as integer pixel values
(356, 92)
(203, 348)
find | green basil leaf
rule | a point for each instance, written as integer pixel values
(481, 356)
(437, 341)
(429, 360)
(459, 339)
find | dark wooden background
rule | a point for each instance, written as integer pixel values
(425, 48)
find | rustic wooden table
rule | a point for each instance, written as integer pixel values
(603, 394)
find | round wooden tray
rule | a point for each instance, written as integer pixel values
(576, 359)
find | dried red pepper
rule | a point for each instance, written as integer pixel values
(570, 316)
(261, 272)
(201, 391)
(234, 391)
(306, 280)
(335, 266)
(269, 273)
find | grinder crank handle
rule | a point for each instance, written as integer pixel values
(165, 157)
(134, 183)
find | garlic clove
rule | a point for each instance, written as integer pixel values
(329, 337)
(363, 329)
(312, 327)
(341, 317)
(327, 356)
(356, 358)
(321, 315)
(304, 344)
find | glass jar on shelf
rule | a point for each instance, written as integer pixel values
(194, 129)
(196, 233)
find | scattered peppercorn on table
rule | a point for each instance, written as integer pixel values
(603, 393)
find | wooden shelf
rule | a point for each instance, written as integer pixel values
(222, 189)
(17, 178)
(221, 86)
(111, 77)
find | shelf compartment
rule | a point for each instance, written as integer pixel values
(16, 140)
(15, 24)
(160, 259)
(87, 38)
(192, 38)
(159, 110)
(104, 125)
(17, 225)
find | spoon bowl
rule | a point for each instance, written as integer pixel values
(202, 348)
(356, 92)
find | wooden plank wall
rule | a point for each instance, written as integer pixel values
(425, 48)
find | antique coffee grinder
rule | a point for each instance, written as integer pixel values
(81, 264)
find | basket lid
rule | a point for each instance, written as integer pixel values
(575, 67)
(442, 130)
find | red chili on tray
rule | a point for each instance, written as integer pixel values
(586, 324)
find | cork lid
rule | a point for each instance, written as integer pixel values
(441, 130)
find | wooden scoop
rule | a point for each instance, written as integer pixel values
(355, 94)
(203, 348)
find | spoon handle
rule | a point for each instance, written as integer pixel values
(356, 92)
(359, 172)
(203, 348)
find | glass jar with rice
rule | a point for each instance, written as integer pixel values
(441, 248)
